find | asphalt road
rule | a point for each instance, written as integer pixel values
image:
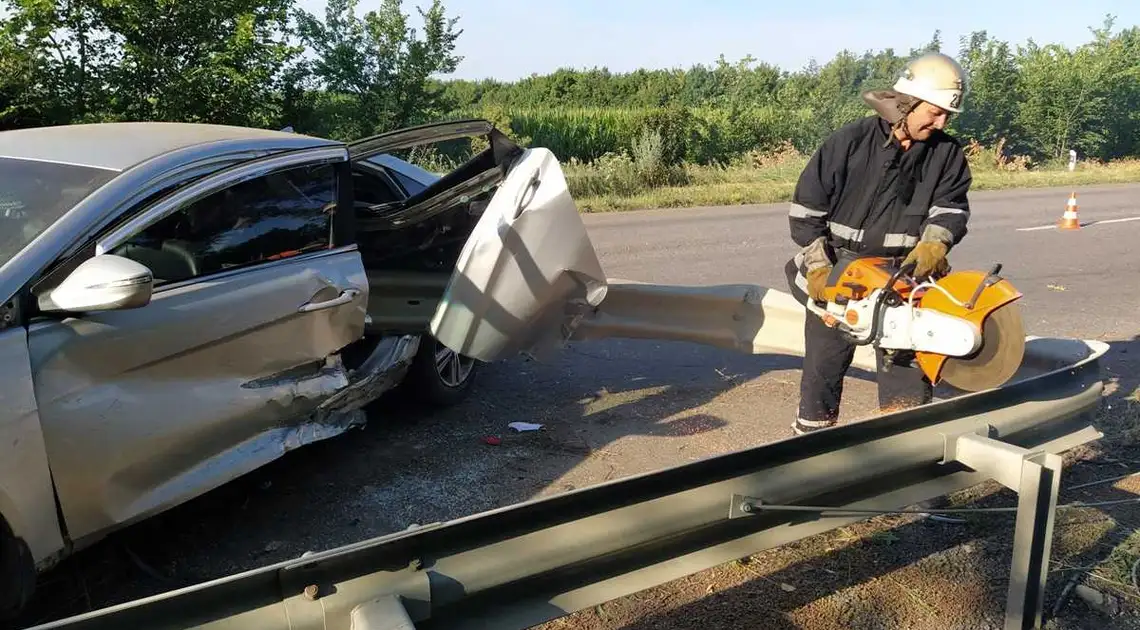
(1096, 266)
(609, 409)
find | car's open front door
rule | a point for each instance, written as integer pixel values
(527, 270)
(418, 135)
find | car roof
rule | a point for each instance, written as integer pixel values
(118, 146)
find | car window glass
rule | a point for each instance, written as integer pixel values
(370, 188)
(412, 186)
(268, 218)
(34, 194)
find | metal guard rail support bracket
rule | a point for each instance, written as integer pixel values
(1036, 478)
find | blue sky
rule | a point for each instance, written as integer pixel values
(506, 39)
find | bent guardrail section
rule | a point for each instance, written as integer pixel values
(746, 318)
(527, 563)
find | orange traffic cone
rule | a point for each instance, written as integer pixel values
(1069, 220)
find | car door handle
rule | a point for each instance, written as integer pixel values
(345, 297)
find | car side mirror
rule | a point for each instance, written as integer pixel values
(103, 283)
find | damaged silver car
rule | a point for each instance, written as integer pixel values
(184, 303)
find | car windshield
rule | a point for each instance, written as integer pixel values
(35, 194)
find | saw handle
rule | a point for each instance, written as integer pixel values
(908, 269)
(877, 310)
(990, 278)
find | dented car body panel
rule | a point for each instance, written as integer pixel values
(144, 408)
(275, 303)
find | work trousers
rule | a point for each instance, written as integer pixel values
(828, 356)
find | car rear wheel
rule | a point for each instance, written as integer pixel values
(439, 376)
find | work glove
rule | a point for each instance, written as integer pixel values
(930, 257)
(817, 281)
(818, 264)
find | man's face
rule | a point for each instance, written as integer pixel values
(924, 119)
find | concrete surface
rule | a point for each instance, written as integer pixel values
(609, 408)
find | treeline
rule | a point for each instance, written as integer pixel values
(1043, 100)
(266, 63)
(263, 63)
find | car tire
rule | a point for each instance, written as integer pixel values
(17, 574)
(439, 376)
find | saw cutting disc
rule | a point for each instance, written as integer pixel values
(1003, 346)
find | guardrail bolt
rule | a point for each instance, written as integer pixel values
(311, 592)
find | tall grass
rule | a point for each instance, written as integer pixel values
(693, 135)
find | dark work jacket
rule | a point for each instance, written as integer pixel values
(876, 200)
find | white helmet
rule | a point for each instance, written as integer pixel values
(934, 78)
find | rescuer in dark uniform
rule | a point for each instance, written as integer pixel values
(890, 185)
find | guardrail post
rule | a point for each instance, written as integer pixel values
(1036, 477)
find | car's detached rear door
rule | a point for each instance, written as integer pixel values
(145, 408)
(527, 271)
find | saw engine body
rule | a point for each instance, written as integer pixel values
(965, 328)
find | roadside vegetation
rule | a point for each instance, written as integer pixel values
(711, 134)
(623, 182)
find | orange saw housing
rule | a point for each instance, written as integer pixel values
(979, 292)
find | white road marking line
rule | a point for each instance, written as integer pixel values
(1117, 220)
(1083, 225)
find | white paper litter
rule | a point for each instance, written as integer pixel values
(524, 426)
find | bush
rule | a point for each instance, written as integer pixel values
(994, 158)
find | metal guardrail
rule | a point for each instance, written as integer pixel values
(531, 562)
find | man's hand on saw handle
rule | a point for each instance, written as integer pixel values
(817, 281)
(818, 266)
(929, 257)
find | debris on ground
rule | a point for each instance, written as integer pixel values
(1098, 601)
(524, 426)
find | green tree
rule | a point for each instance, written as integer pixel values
(217, 61)
(991, 104)
(379, 63)
(55, 56)
(1117, 116)
(177, 60)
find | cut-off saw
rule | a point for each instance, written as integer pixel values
(965, 327)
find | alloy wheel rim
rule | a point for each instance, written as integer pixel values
(453, 368)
